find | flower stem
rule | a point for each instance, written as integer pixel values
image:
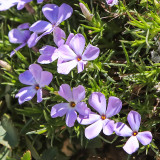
(129, 156)
(110, 142)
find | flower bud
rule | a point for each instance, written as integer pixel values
(86, 12)
(5, 65)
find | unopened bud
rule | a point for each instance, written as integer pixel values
(86, 12)
(29, 8)
(5, 65)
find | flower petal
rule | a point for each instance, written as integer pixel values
(66, 53)
(39, 1)
(90, 53)
(59, 36)
(39, 96)
(77, 43)
(40, 26)
(134, 120)
(49, 54)
(47, 50)
(47, 58)
(50, 11)
(98, 101)
(18, 36)
(114, 106)
(36, 70)
(71, 117)
(71, 35)
(144, 137)
(32, 40)
(66, 67)
(65, 11)
(43, 34)
(82, 109)
(65, 92)
(21, 4)
(23, 26)
(27, 78)
(108, 127)
(46, 78)
(80, 66)
(122, 129)
(16, 49)
(25, 94)
(92, 117)
(78, 93)
(59, 110)
(5, 6)
(112, 2)
(94, 129)
(131, 145)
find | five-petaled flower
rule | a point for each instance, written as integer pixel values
(55, 15)
(121, 129)
(6, 4)
(49, 53)
(36, 78)
(98, 121)
(73, 55)
(23, 36)
(74, 98)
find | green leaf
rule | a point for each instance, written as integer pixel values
(49, 154)
(26, 156)
(9, 136)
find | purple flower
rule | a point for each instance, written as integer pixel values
(112, 2)
(101, 121)
(36, 78)
(6, 4)
(55, 15)
(75, 55)
(74, 98)
(22, 36)
(121, 129)
(49, 53)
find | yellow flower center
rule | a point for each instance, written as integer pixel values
(37, 87)
(135, 133)
(79, 58)
(103, 117)
(72, 104)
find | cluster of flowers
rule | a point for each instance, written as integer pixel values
(37, 78)
(71, 53)
(101, 120)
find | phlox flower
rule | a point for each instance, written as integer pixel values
(36, 78)
(55, 15)
(112, 2)
(121, 129)
(75, 54)
(102, 120)
(50, 53)
(6, 4)
(23, 36)
(74, 104)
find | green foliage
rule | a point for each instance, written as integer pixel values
(26, 156)
(9, 136)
